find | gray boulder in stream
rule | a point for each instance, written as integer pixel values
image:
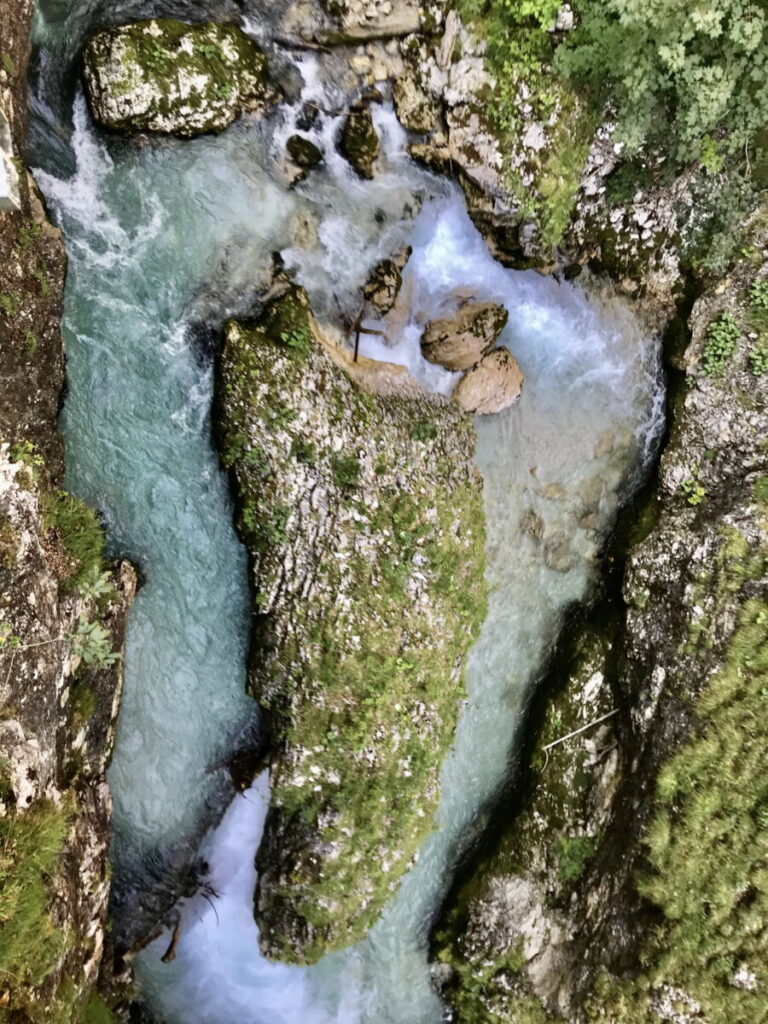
(166, 76)
(364, 520)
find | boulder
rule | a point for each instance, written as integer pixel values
(415, 110)
(494, 384)
(385, 282)
(460, 341)
(163, 75)
(303, 152)
(359, 143)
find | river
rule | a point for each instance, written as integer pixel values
(166, 236)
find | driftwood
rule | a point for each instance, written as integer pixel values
(170, 954)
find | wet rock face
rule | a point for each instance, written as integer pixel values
(167, 76)
(460, 341)
(598, 903)
(57, 702)
(359, 141)
(370, 505)
(492, 386)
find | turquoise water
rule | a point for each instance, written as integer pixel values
(165, 234)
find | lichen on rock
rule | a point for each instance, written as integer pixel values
(364, 520)
(163, 75)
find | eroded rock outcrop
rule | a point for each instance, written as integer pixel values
(460, 341)
(383, 286)
(363, 516)
(166, 76)
(61, 627)
(631, 885)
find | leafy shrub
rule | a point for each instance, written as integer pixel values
(91, 643)
(719, 344)
(573, 852)
(689, 78)
(346, 470)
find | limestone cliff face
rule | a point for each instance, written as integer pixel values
(363, 516)
(631, 885)
(62, 619)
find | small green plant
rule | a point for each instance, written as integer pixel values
(758, 295)
(82, 538)
(9, 64)
(42, 281)
(758, 357)
(573, 852)
(212, 52)
(28, 233)
(223, 91)
(299, 339)
(346, 471)
(424, 430)
(304, 451)
(97, 1012)
(32, 342)
(693, 490)
(26, 452)
(96, 585)
(719, 344)
(10, 304)
(8, 639)
(91, 643)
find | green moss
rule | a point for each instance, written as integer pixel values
(77, 528)
(97, 1012)
(31, 944)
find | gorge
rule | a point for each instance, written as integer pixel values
(389, 577)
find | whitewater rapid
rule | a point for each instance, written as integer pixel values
(169, 234)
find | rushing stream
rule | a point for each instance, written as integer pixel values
(167, 234)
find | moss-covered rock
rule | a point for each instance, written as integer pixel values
(303, 152)
(359, 141)
(363, 516)
(166, 76)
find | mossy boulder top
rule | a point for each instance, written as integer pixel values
(166, 76)
(363, 516)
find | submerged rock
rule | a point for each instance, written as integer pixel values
(364, 520)
(166, 76)
(493, 385)
(359, 142)
(303, 152)
(460, 341)
(385, 282)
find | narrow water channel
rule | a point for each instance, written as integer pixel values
(165, 234)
